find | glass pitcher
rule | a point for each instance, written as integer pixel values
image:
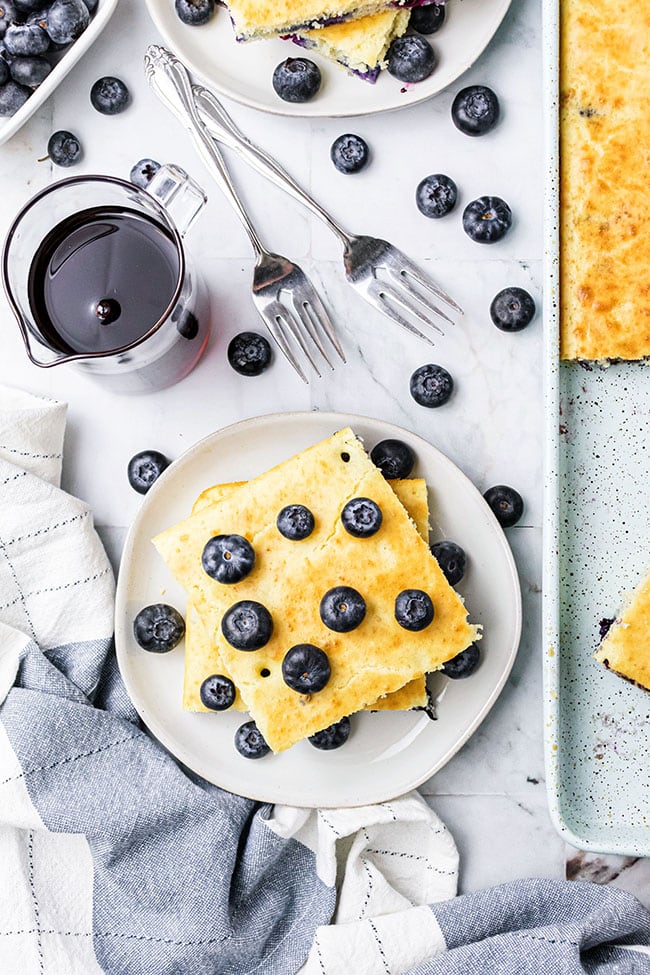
(97, 275)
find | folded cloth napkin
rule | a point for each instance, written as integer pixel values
(114, 859)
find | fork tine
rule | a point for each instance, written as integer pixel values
(400, 279)
(401, 297)
(425, 282)
(307, 318)
(318, 312)
(278, 335)
(379, 298)
(285, 319)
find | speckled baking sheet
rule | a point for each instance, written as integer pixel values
(597, 547)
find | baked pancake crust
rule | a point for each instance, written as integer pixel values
(264, 18)
(290, 578)
(626, 647)
(605, 179)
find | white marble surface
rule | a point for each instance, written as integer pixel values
(492, 794)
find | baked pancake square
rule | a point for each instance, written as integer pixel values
(361, 45)
(289, 578)
(625, 649)
(202, 649)
(268, 18)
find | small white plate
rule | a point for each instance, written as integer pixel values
(103, 13)
(244, 71)
(387, 753)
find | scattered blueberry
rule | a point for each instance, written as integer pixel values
(349, 153)
(487, 219)
(342, 609)
(64, 149)
(158, 628)
(361, 517)
(250, 742)
(23, 40)
(451, 559)
(394, 458)
(4, 71)
(296, 80)
(109, 95)
(217, 692)
(431, 385)
(506, 503)
(228, 558)
(12, 97)
(436, 195)
(249, 353)
(295, 522)
(475, 110)
(305, 668)
(67, 20)
(143, 172)
(145, 468)
(333, 737)
(247, 625)
(30, 71)
(410, 58)
(429, 19)
(413, 609)
(463, 664)
(194, 12)
(512, 309)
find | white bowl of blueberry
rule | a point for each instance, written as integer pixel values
(40, 41)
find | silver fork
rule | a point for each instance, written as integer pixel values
(402, 287)
(283, 294)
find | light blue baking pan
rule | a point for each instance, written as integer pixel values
(597, 548)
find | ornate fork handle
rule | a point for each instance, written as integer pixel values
(221, 126)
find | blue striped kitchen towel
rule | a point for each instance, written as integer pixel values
(114, 859)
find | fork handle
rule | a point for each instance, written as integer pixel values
(223, 129)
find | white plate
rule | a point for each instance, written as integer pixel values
(244, 71)
(103, 13)
(387, 754)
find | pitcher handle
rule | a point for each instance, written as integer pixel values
(178, 194)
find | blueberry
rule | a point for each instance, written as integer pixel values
(410, 58)
(8, 15)
(143, 172)
(332, 737)
(431, 385)
(394, 458)
(342, 609)
(429, 19)
(109, 95)
(30, 71)
(158, 628)
(512, 309)
(145, 468)
(91, 5)
(247, 625)
(436, 195)
(296, 80)
(228, 558)
(475, 110)
(349, 153)
(39, 16)
(414, 609)
(194, 12)
(250, 742)
(249, 353)
(451, 559)
(361, 517)
(295, 522)
(26, 7)
(217, 692)
(463, 664)
(12, 97)
(506, 503)
(487, 219)
(67, 20)
(305, 668)
(4, 72)
(64, 149)
(22, 40)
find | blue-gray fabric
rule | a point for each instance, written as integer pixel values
(188, 880)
